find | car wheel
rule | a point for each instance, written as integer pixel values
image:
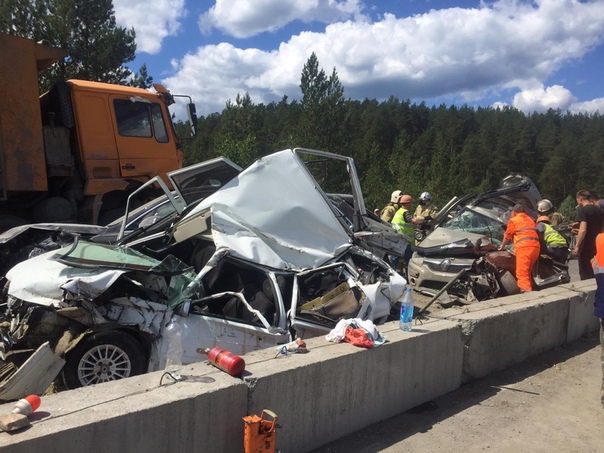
(508, 284)
(103, 357)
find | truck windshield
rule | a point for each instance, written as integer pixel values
(140, 119)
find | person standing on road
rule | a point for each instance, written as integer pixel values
(404, 222)
(591, 222)
(598, 268)
(522, 229)
(391, 208)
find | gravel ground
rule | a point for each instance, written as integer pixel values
(549, 403)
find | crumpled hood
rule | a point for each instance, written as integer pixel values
(88, 230)
(274, 214)
(50, 275)
(442, 236)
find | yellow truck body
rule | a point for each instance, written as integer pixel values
(75, 152)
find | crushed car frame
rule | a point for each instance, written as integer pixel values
(264, 259)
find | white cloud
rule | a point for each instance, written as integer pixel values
(245, 18)
(152, 22)
(455, 52)
(543, 98)
(593, 106)
(217, 73)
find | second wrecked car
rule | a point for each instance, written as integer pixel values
(459, 254)
(264, 259)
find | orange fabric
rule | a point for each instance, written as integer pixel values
(598, 260)
(524, 231)
(526, 257)
(526, 247)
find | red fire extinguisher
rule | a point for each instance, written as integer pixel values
(225, 360)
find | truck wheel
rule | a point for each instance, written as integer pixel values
(8, 221)
(103, 357)
(53, 209)
(105, 218)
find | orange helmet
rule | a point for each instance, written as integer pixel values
(405, 199)
(543, 218)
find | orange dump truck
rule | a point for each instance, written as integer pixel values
(76, 152)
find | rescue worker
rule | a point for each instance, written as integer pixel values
(404, 222)
(552, 242)
(425, 209)
(391, 208)
(598, 267)
(590, 223)
(545, 207)
(522, 229)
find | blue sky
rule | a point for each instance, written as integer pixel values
(532, 55)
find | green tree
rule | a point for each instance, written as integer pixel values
(237, 134)
(86, 29)
(323, 107)
(141, 79)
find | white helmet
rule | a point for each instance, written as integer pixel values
(425, 196)
(544, 205)
(395, 196)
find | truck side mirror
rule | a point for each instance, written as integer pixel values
(192, 114)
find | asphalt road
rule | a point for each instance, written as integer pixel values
(548, 403)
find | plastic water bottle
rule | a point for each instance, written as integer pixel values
(173, 333)
(406, 310)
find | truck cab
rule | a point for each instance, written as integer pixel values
(76, 152)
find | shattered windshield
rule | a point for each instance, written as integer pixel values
(89, 254)
(476, 220)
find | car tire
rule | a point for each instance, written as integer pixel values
(103, 357)
(508, 284)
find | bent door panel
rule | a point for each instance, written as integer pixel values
(201, 331)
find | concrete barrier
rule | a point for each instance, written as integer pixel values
(581, 319)
(338, 388)
(334, 390)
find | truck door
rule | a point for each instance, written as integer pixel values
(145, 140)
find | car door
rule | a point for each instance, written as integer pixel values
(337, 177)
(205, 332)
(191, 184)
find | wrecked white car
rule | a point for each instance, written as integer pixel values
(263, 260)
(190, 184)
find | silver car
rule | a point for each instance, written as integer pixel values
(464, 229)
(265, 258)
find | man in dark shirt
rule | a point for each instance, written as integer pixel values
(591, 221)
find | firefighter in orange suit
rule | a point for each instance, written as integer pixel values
(522, 229)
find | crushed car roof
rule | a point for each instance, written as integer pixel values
(275, 206)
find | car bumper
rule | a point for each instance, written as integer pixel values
(429, 275)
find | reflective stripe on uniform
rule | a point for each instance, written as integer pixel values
(402, 226)
(552, 237)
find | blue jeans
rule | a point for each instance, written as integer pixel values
(407, 254)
